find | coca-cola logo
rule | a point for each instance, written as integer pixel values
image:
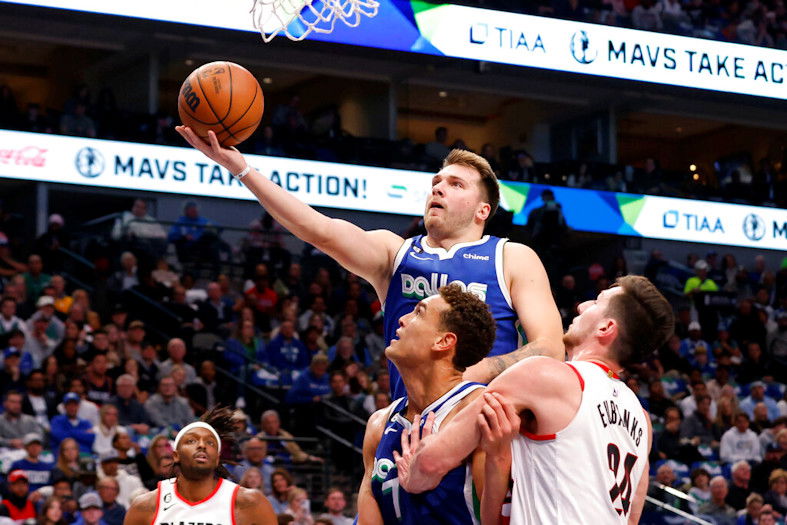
(27, 156)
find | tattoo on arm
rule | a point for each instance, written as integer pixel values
(499, 363)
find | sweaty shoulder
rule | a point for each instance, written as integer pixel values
(252, 508)
(535, 376)
(376, 421)
(142, 509)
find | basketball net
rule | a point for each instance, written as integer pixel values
(297, 18)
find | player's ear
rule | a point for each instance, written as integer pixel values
(483, 211)
(445, 342)
(175, 457)
(607, 330)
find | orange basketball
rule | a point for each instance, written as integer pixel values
(224, 97)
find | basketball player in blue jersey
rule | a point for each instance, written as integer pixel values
(435, 343)
(199, 493)
(508, 276)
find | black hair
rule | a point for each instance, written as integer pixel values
(222, 419)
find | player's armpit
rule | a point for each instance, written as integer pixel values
(142, 509)
(252, 508)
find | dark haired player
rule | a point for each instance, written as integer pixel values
(199, 493)
(440, 338)
(582, 455)
(508, 276)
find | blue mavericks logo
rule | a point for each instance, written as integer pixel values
(580, 47)
(754, 227)
(89, 162)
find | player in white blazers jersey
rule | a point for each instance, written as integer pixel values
(199, 493)
(576, 438)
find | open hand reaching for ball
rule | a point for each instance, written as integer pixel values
(230, 158)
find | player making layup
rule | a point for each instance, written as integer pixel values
(582, 456)
(200, 493)
(508, 276)
(440, 338)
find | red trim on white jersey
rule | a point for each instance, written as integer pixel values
(232, 505)
(195, 503)
(579, 376)
(538, 437)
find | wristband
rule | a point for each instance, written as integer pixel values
(243, 173)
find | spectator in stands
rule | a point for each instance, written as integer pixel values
(137, 225)
(262, 297)
(14, 364)
(523, 168)
(740, 442)
(67, 464)
(14, 425)
(38, 401)
(45, 331)
(755, 366)
(8, 318)
(70, 425)
(148, 366)
(99, 383)
(700, 282)
(286, 353)
(311, 385)
(335, 503)
(37, 472)
(688, 405)
(108, 489)
(284, 449)
(176, 349)
(18, 505)
(658, 402)
(281, 485)
(106, 430)
(664, 476)
(700, 489)
(768, 435)
(251, 479)
(255, 455)
(777, 491)
(127, 276)
(63, 301)
(8, 265)
(717, 508)
(757, 395)
(216, 313)
(51, 512)
(699, 428)
(87, 409)
(126, 483)
(739, 489)
(299, 507)
(751, 514)
(437, 150)
(340, 420)
(777, 343)
(190, 233)
(90, 510)
(546, 223)
(343, 354)
(166, 408)
(746, 326)
(77, 122)
(49, 243)
(693, 341)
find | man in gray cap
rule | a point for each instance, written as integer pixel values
(90, 510)
(39, 473)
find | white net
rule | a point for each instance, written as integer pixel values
(295, 19)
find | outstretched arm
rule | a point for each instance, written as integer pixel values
(532, 300)
(368, 254)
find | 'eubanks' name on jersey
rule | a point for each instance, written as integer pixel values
(421, 287)
(611, 414)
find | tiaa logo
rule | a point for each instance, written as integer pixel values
(420, 287)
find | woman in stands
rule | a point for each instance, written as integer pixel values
(67, 464)
(281, 483)
(251, 479)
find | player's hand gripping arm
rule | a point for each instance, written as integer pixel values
(368, 510)
(368, 254)
(499, 424)
(253, 508)
(532, 300)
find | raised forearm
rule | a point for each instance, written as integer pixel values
(497, 470)
(491, 367)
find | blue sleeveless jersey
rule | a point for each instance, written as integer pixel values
(419, 270)
(452, 502)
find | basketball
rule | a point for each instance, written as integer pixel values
(224, 97)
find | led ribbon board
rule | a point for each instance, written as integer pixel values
(143, 167)
(509, 38)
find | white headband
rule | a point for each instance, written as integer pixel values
(192, 426)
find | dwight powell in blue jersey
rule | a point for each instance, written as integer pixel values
(464, 196)
(436, 342)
